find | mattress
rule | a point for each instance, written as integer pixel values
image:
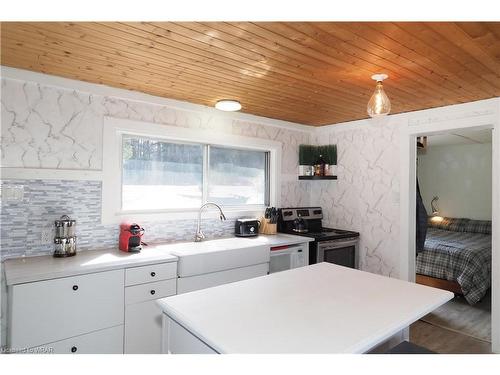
(458, 256)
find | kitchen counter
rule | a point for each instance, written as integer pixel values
(280, 239)
(23, 270)
(323, 308)
(29, 269)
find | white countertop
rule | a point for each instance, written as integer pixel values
(323, 308)
(28, 269)
(23, 270)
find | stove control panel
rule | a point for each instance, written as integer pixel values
(308, 213)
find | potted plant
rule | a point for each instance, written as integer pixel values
(329, 154)
(307, 154)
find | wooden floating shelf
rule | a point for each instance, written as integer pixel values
(317, 177)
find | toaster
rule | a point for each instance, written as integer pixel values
(246, 227)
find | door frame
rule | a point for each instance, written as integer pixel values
(484, 114)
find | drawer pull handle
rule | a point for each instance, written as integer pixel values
(75, 287)
(153, 274)
(152, 292)
(73, 349)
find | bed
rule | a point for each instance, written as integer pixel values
(457, 257)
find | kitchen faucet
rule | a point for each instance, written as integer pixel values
(199, 236)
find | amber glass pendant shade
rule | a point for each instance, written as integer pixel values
(379, 104)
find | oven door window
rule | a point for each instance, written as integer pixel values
(280, 262)
(343, 256)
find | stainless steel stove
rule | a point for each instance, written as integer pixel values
(330, 245)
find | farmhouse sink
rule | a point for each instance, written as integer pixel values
(196, 258)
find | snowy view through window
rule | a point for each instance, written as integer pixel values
(160, 175)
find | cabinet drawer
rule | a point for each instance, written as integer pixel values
(150, 291)
(106, 341)
(154, 272)
(53, 310)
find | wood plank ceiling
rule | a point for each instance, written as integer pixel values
(310, 73)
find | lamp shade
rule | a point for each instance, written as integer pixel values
(379, 104)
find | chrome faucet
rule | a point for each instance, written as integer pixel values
(199, 236)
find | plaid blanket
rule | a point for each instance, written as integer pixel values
(464, 257)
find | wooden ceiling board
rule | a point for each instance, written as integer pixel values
(313, 73)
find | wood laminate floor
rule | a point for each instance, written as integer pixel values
(457, 315)
(444, 341)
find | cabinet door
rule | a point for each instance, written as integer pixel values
(53, 310)
(106, 341)
(181, 341)
(143, 328)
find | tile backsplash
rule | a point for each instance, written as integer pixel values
(25, 220)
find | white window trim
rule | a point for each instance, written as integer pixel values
(113, 130)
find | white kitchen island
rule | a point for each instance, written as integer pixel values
(323, 308)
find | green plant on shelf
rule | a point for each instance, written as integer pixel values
(307, 155)
(329, 153)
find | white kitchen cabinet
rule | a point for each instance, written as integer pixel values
(53, 310)
(181, 341)
(208, 280)
(143, 326)
(103, 300)
(105, 341)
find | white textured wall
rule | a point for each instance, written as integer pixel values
(460, 175)
(365, 197)
(51, 127)
(46, 126)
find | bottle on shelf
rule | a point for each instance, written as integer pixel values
(320, 167)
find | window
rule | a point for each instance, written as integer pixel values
(238, 177)
(160, 175)
(160, 172)
(167, 175)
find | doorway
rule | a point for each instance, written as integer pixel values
(454, 239)
(486, 119)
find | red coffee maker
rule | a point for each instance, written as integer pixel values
(130, 237)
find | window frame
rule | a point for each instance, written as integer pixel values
(113, 132)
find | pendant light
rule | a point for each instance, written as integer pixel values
(379, 104)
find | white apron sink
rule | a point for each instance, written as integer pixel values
(196, 258)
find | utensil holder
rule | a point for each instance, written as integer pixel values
(266, 227)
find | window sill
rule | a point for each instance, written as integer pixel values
(189, 214)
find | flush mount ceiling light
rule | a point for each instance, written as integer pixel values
(379, 104)
(228, 105)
